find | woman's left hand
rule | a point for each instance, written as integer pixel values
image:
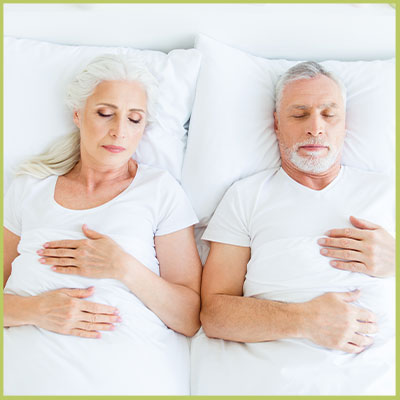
(96, 257)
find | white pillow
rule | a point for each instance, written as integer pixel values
(35, 78)
(231, 128)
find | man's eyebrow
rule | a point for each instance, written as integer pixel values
(329, 105)
(115, 107)
(298, 107)
(304, 107)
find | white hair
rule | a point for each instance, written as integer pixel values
(304, 70)
(64, 153)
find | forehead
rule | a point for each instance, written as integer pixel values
(314, 92)
(119, 92)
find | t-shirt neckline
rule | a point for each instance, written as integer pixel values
(106, 204)
(327, 188)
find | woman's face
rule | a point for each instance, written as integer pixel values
(111, 123)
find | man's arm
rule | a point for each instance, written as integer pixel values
(366, 248)
(328, 320)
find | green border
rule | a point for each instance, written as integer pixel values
(394, 4)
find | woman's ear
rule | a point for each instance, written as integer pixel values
(76, 119)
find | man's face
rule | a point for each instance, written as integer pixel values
(310, 124)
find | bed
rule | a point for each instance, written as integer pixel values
(202, 53)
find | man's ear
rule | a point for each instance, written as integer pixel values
(276, 127)
(76, 119)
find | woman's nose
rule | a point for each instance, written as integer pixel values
(119, 128)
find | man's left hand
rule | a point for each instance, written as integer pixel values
(367, 248)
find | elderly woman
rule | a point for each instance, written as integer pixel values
(101, 268)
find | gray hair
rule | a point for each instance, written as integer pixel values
(304, 70)
(112, 67)
(64, 153)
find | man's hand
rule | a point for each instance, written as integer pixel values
(367, 248)
(332, 322)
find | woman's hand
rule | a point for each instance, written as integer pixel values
(96, 257)
(62, 311)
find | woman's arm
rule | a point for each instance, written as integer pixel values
(174, 295)
(10, 252)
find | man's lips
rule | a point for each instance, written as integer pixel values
(313, 147)
(114, 149)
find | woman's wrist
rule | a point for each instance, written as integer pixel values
(20, 310)
(124, 267)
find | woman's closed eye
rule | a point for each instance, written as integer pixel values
(135, 121)
(103, 114)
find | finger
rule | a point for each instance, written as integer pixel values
(99, 318)
(363, 224)
(60, 252)
(89, 326)
(352, 266)
(66, 244)
(349, 297)
(367, 328)
(349, 255)
(352, 233)
(361, 340)
(91, 234)
(58, 261)
(342, 243)
(79, 293)
(66, 270)
(365, 316)
(351, 348)
(97, 308)
(86, 334)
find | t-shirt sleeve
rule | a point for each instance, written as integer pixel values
(13, 207)
(229, 223)
(176, 211)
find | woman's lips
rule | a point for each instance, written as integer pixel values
(114, 149)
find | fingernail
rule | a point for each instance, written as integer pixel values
(40, 252)
(42, 260)
(46, 245)
(53, 268)
(324, 251)
(98, 335)
(321, 241)
(334, 263)
(327, 233)
(116, 312)
(112, 327)
(119, 319)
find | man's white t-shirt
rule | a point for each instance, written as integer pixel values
(281, 220)
(142, 355)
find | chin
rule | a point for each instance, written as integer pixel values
(313, 164)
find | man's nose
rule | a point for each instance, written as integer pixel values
(119, 128)
(315, 126)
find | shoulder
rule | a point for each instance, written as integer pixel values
(369, 178)
(159, 180)
(22, 183)
(253, 183)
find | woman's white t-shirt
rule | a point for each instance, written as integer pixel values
(142, 355)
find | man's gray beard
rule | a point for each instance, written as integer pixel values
(311, 163)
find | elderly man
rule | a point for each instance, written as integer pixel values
(291, 303)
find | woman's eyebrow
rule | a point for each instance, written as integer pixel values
(115, 107)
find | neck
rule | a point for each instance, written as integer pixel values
(92, 176)
(313, 181)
